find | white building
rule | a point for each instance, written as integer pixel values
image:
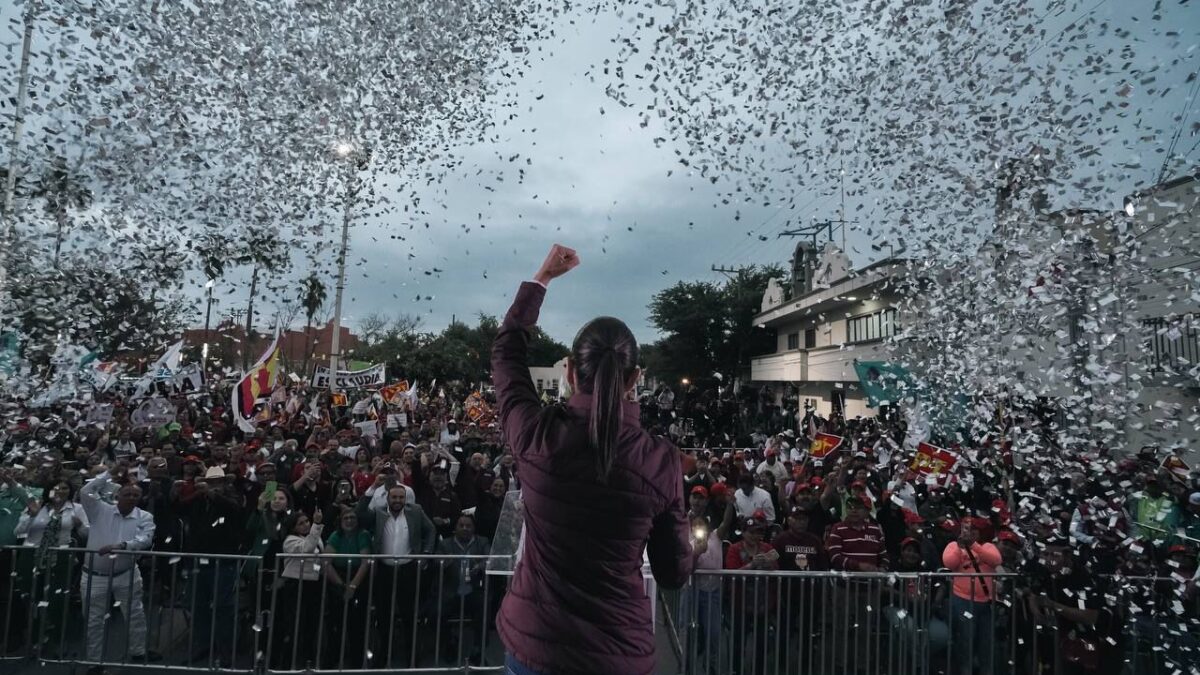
(1166, 222)
(831, 317)
(546, 378)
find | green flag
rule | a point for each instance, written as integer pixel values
(884, 383)
(10, 350)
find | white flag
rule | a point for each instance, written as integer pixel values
(162, 370)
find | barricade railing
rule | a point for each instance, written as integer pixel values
(769, 622)
(234, 613)
(435, 613)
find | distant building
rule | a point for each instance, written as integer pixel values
(227, 341)
(546, 378)
(831, 317)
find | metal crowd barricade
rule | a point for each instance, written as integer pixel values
(229, 613)
(771, 622)
(419, 613)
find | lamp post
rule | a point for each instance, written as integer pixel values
(207, 317)
(344, 151)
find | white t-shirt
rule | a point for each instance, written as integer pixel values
(745, 505)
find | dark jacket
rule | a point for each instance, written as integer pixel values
(421, 535)
(577, 602)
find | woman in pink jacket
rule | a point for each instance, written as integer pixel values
(971, 618)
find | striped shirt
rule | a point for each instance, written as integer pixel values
(849, 545)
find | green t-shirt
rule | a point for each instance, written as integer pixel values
(340, 542)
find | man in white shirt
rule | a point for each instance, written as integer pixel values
(400, 529)
(108, 575)
(750, 498)
(773, 466)
(450, 435)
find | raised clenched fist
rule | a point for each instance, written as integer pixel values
(558, 262)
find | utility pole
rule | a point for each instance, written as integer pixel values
(729, 271)
(7, 218)
(842, 215)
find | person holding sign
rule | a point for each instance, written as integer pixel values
(597, 490)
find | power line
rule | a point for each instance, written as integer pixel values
(1183, 116)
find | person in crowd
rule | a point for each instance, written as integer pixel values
(700, 477)
(463, 580)
(438, 501)
(579, 581)
(1155, 514)
(450, 434)
(216, 520)
(752, 604)
(799, 549)
(14, 498)
(1077, 632)
(294, 632)
(487, 511)
(773, 466)
(703, 600)
(971, 610)
(468, 484)
(856, 544)
(109, 573)
(43, 573)
(750, 498)
(347, 604)
(266, 528)
(399, 530)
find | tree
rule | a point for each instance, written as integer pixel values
(263, 252)
(312, 297)
(61, 189)
(708, 327)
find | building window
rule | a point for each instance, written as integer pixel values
(810, 338)
(793, 341)
(539, 384)
(837, 403)
(874, 326)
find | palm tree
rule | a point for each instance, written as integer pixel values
(264, 252)
(312, 297)
(61, 190)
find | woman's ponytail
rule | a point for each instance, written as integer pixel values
(604, 356)
(607, 391)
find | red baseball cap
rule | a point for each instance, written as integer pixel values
(911, 517)
(907, 541)
(1009, 535)
(700, 490)
(772, 453)
(949, 524)
(719, 489)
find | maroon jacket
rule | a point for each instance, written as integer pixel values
(577, 602)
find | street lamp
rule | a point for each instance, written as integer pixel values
(208, 285)
(684, 381)
(344, 151)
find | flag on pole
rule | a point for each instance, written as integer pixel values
(824, 445)
(884, 383)
(255, 387)
(934, 463)
(163, 370)
(189, 379)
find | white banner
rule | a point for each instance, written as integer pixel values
(369, 378)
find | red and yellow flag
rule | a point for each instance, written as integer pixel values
(391, 392)
(824, 445)
(931, 460)
(256, 386)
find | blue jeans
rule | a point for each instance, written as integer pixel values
(515, 667)
(971, 635)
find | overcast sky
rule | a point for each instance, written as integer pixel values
(597, 182)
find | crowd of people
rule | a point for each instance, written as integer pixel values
(1076, 529)
(1102, 550)
(320, 480)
